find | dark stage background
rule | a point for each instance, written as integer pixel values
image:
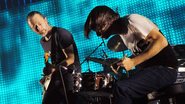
(21, 56)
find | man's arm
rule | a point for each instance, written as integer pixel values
(157, 43)
(70, 57)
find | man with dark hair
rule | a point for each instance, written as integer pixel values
(58, 44)
(153, 56)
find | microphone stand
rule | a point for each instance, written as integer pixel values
(87, 58)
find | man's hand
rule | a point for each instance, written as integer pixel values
(48, 69)
(127, 63)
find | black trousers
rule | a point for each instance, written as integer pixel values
(55, 93)
(143, 82)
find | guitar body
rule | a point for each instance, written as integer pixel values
(45, 81)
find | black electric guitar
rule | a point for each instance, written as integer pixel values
(47, 73)
(111, 66)
(49, 69)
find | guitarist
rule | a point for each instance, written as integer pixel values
(153, 55)
(60, 46)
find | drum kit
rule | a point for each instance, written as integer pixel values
(90, 81)
(105, 79)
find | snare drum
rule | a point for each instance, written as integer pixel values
(96, 81)
(77, 82)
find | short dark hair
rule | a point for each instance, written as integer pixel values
(32, 13)
(98, 17)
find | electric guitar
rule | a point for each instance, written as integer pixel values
(111, 64)
(48, 71)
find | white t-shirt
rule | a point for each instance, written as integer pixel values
(138, 28)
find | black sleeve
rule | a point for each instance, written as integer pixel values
(65, 38)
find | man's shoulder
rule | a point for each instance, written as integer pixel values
(63, 34)
(135, 16)
(132, 17)
(62, 30)
(139, 19)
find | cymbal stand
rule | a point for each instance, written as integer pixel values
(89, 70)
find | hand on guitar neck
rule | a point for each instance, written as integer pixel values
(118, 69)
(46, 56)
(48, 71)
(49, 68)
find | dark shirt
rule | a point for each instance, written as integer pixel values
(65, 39)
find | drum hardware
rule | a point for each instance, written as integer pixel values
(106, 62)
(110, 66)
(89, 70)
(86, 59)
(92, 52)
(96, 81)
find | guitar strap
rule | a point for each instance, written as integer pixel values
(54, 46)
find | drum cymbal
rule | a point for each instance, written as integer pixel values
(116, 44)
